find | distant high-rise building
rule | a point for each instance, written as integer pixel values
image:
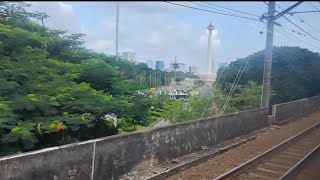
(193, 69)
(131, 56)
(159, 65)
(182, 67)
(150, 63)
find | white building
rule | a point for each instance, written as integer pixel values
(150, 63)
(131, 56)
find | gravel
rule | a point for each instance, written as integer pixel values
(234, 157)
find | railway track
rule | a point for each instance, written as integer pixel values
(280, 161)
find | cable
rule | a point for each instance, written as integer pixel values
(295, 24)
(210, 7)
(284, 26)
(299, 33)
(300, 28)
(211, 11)
(314, 6)
(293, 37)
(232, 87)
(235, 86)
(286, 33)
(301, 20)
(211, 90)
(230, 9)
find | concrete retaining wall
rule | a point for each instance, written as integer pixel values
(293, 109)
(114, 156)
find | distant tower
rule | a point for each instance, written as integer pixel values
(159, 65)
(150, 63)
(209, 53)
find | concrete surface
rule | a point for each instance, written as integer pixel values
(290, 110)
(114, 156)
(171, 167)
(161, 123)
(65, 162)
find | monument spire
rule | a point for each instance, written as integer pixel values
(209, 52)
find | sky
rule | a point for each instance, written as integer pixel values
(161, 31)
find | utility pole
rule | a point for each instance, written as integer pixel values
(160, 78)
(175, 69)
(271, 17)
(268, 56)
(165, 79)
(150, 80)
(117, 30)
(155, 78)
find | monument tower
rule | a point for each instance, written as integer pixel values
(210, 62)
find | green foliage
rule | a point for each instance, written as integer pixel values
(54, 91)
(98, 73)
(245, 97)
(295, 73)
(199, 83)
(188, 109)
(128, 127)
(21, 135)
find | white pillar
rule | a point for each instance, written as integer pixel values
(209, 52)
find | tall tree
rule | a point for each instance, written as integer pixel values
(295, 73)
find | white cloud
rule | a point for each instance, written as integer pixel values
(84, 30)
(139, 7)
(62, 16)
(147, 28)
(67, 9)
(109, 24)
(104, 46)
(154, 39)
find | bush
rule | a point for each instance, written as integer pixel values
(128, 127)
(157, 114)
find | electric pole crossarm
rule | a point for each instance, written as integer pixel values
(287, 10)
(301, 12)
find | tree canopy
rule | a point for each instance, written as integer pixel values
(55, 91)
(295, 73)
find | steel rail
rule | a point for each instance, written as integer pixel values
(299, 164)
(247, 165)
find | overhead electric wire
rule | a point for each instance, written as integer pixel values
(284, 26)
(286, 34)
(292, 36)
(234, 84)
(230, 9)
(237, 79)
(301, 20)
(295, 24)
(314, 6)
(301, 28)
(211, 90)
(200, 9)
(293, 30)
(229, 97)
(199, 4)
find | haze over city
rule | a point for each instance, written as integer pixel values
(161, 31)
